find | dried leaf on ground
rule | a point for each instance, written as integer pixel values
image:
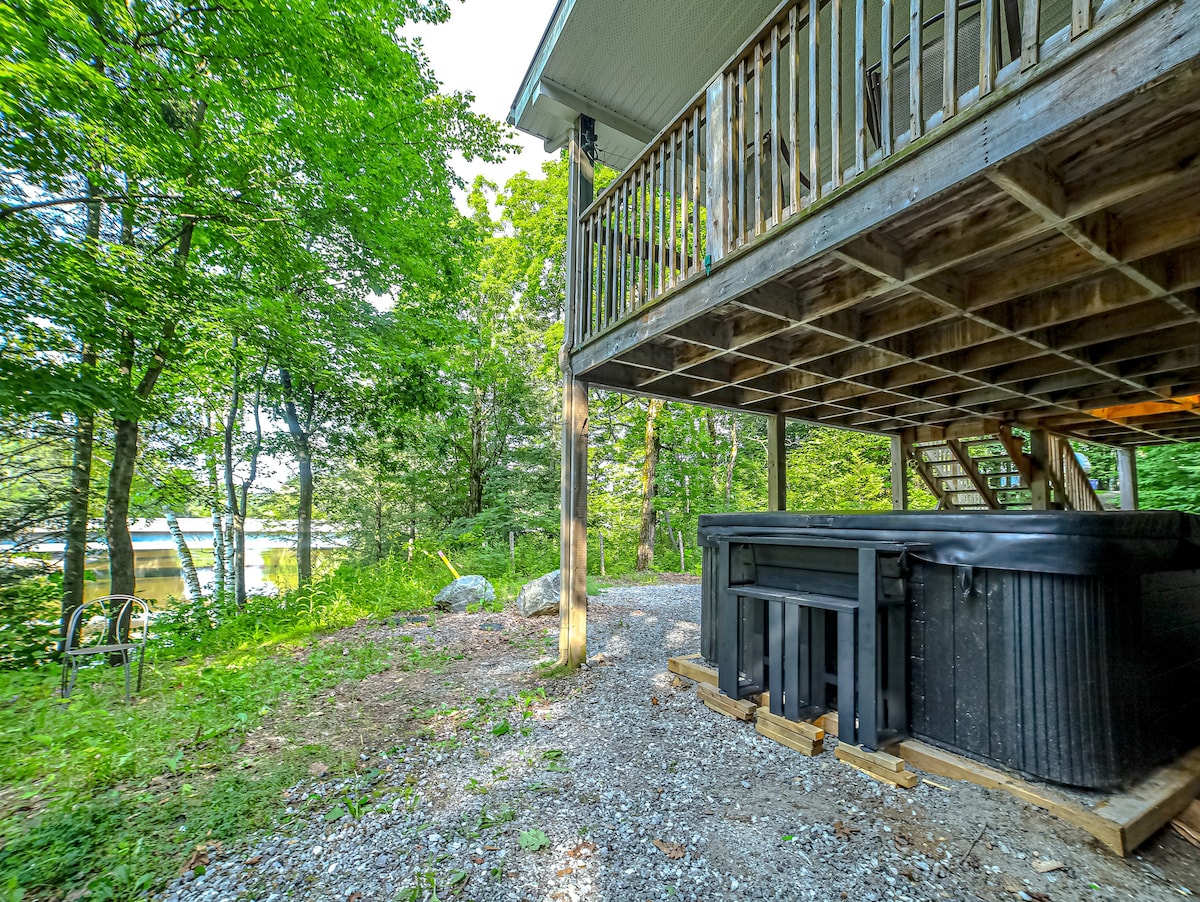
(584, 848)
(845, 831)
(1045, 867)
(654, 699)
(354, 897)
(198, 857)
(673, 849)
(318, 769)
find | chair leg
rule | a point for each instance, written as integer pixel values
(141, 664)
(73, 677)
(125, 665)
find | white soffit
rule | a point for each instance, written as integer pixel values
(631, 65)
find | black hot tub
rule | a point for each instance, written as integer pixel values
(1063, 645)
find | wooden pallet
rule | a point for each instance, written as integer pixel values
(691, 666)
(806, 738)
(742, 709)
(1122, 821)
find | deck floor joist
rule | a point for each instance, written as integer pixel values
(1036, 264)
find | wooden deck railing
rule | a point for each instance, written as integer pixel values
(823, 94)
(646, 233)
(1072, 487)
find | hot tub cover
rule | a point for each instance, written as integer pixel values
(1066, 542)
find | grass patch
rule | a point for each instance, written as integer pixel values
(115, 797)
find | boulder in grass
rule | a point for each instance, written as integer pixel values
(541, 595)
(465, 590)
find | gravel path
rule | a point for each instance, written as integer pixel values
(634, 790)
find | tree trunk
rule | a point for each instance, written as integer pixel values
(304, 515)
(304, 460)
(475, 461)
(237, 497)
(75, 552)
(116, 509)
(378, 524)
(733, 453)
(75, 540)
(220, 550)
(645, 552)
(191, 579)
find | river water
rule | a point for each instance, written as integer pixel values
(159, 576)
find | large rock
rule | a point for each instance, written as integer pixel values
(541, 595)
(464, 591)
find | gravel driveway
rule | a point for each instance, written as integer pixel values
(617, 784)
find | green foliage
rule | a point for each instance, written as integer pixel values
(533, 840)
(1169, 477)
(28, 610)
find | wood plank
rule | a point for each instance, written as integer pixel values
(1081, 17)
(950, 62)
(988, 38)
(717, 189)
(776, 138)
(814, 106)
(801, 728)
(916, 118)
(835, 90)
(904, 780)
(885, 79)
(791, 740)
(946, 764)
(691, 666)
(1154, 802)
(1187, 824)
(756, 156)
(860, 86)
(739, 709)
(794, 103)
(872, 760)
(1031, 21)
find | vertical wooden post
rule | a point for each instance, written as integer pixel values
(1039, 482)
(777, 462)
(899, 475)
(1127, 476)
(682, 562)
(572, 636)
(717, 189)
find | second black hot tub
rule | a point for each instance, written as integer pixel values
(1063, 645)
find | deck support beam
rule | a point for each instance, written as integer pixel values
(1127, 477)
(777, 462)
(899, 474)
(572, 635)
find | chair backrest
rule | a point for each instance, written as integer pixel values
(94, 621)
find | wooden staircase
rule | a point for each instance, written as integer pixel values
(995, 472)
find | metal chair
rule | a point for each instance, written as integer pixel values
(86, 636)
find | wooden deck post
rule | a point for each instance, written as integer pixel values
(899, 475)
(572, 636)
(1039, 480)
(1127, 477)
(777, 462)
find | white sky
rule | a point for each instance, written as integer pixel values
(485, 49)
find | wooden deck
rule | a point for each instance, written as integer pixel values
(1022, 249)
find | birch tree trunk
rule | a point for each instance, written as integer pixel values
(191, 579)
